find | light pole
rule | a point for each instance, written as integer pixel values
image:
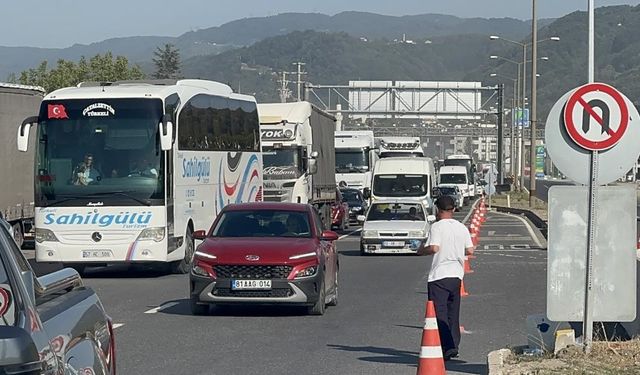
(534, 60)
(514, 101)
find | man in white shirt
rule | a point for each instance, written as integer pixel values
(449, 241)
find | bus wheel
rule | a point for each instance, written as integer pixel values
(184, 265)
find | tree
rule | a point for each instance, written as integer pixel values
(167, 62)
(100, 68)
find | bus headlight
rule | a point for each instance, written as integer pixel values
(156, 234)
(45, 235)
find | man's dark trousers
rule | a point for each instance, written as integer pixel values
(445, 294)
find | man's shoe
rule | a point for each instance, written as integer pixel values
(450, 353)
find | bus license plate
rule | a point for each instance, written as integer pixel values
(250, 284)
(96, 253)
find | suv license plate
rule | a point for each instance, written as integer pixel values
(393, 243)
(250, 284)
(96, 254)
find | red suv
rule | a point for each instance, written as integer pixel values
(265, 253)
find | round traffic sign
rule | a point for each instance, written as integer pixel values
(574, 161)
(596, 116)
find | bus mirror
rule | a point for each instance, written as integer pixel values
(312, 164)
(166, 134)
(23, 133)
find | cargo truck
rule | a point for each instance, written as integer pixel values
(16, 170)
(298, 155)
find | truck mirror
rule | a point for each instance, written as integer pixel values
(366, 193)
(23, 133)
(314, 154)
(312, 166)
(435, 192)
(165, 128)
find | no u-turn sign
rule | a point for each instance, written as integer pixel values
(596, 116)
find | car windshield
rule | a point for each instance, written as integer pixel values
(351, 196)
(396, 211)
(457, 178)
(263, 223)
(448, 190)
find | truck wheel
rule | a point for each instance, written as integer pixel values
(184, 266)
(18, 236)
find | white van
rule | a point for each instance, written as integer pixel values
(456, 175)
(404, 177)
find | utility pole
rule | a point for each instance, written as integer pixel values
(500, 140)
(534, 116)
(284, 91)
(300, 73)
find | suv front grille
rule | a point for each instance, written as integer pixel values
(273, 293)
(382, 234)
(252, 272)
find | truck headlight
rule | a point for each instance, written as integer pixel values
(156, 234)
(370, 233)
(45, 235)
(416, 233)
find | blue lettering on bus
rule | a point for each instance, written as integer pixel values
(122, 218)
(198, 168)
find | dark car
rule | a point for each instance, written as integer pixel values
(356, 202)
(50, 324)
(265, 253)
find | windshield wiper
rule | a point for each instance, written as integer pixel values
(66, 199)
(121, 194)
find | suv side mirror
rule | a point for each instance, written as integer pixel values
(431, 219)
(329, 235)
(199, 235)
(312, 166)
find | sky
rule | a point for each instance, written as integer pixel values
(62, 23)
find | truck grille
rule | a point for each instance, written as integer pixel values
(273, 293)
(252, 272)
(275, 195)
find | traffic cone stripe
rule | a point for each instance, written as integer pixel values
(430, 323)
(431, 352)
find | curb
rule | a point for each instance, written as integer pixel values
(495, 361)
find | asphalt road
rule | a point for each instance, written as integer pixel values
(375, 329)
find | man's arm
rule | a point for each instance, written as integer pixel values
(469, 250)
(428, 250)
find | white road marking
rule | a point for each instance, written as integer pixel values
(161, 307)
(350, 233)
(492, 233)
(117, 325)
(473, 207)
(529, 229)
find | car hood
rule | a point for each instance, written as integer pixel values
(395, 225)
(270, 250)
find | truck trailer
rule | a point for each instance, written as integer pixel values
(16, 174)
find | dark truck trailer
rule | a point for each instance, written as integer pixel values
(17, 102)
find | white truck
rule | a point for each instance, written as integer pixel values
(16, 173)
(299, 155)
(399, 147)
(355, 158)
(405, 177)
(467, 162)
(455, 175)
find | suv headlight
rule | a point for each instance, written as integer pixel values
(356, 209)
(369, 233)
(156, 234)
(416, 233)
(45, 235)
(307, 272)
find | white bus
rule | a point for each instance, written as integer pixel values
(125, 172)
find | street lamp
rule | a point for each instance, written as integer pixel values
(534, 61)
(512, 136)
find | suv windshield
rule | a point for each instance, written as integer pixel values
(400, 185)
(263, 223)
(351, 196)
(447, 190)
(396, 211)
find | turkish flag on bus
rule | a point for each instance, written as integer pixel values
(56, 111)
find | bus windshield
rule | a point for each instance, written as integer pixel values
(352, 161)
(103, 150)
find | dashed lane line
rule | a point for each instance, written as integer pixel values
(161, 307)
(117, 325)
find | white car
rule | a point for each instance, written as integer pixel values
(394, 227)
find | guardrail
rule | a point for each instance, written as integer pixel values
(535, 219)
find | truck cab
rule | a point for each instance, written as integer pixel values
(355, 158)
(400, 147)
(455, 175)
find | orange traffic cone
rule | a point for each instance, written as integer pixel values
(467, 265)
(431, 361)
(463, 292)
(474, 238)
